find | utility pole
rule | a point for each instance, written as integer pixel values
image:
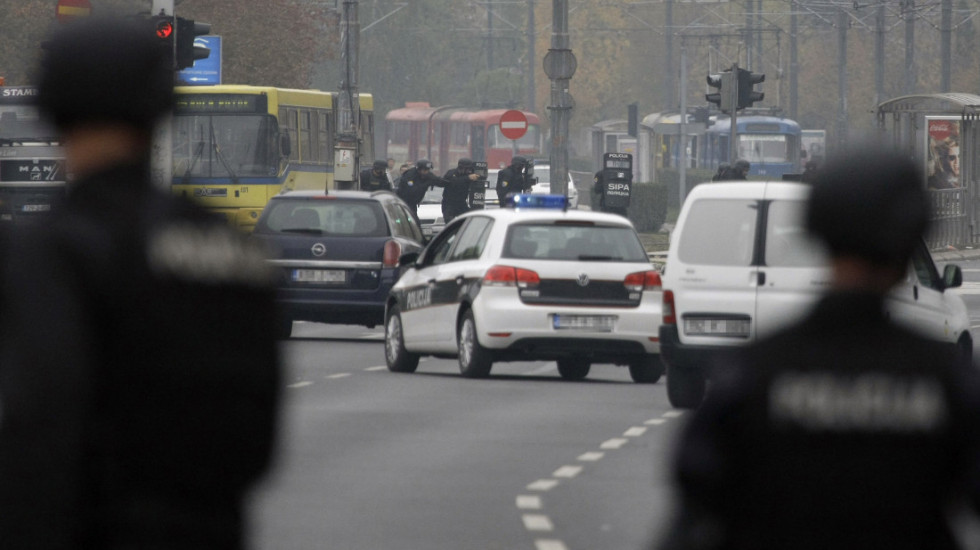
(560, 65)
(669, 49)
(682, 174)
(794, 63)
(908, 13)
(946, 30)
(348, 103)
(842, 22)
(489, 36)
(880, 54)
(531, 100)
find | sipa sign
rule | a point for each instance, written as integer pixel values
(66, 10)
(513, 124)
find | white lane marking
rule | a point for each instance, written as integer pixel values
(968, 287)
(339, 375)
(529, 502)
(543, 485)
(655, 421)
(591, 457)
(614, 443)
(382, 367)
(300, 385)
(548, 544)
(635, 431)
(537, 522)
(673, 414)
(372, 336)
(567, 471)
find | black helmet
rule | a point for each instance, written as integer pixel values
(465, 164)
(518, 161)
(742, 164)
(423, 164)
(379, 165)
(869, 203)
(105, 70)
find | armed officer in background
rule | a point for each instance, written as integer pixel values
(414, 183)
(515, 179)
(845, 430)
(456, 189)
(375, 178)
(138, 376)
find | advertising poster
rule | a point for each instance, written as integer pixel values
(943, 153)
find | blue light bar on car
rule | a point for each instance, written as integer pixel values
(555, 202)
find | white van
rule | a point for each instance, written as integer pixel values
(742, 266)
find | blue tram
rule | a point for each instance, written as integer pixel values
(771, 144)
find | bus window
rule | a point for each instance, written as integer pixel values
(223, 146)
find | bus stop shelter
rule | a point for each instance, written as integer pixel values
(942, 133)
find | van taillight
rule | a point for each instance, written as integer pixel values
(392, 252)
(505, 275)
(642, 280)
(669, 315)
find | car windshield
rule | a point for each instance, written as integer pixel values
(353, 218)
(433, 196)
(574, 241)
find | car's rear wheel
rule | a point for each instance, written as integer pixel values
(573, 369)
(474, 359)
(685, 387)
(398, 358)
(647, 370)
(285, 328)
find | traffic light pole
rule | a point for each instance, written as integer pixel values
(732, 132)
(161, 153)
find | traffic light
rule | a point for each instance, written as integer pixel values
(746, 95)
(162, 27)
(633, 119)
(723, 97)
(187, 52)
(702, 115)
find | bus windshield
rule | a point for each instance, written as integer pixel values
(21, 125)
(763, 148)
(223, 146)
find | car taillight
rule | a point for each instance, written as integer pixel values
(669, 316)
(392, 252)
(642, 280)
(505, 275)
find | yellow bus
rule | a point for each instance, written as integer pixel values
(236, 146)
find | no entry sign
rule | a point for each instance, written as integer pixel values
(513, 124)
(67, 10)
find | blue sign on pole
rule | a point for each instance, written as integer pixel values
(205, 72)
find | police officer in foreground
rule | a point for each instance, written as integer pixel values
(138, 377)
(414, 183)
(456, 189)
(515, 179)
(375, 178)
(845, 430)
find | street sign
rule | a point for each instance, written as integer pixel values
(513, 124)
(204, 72)
(67, 10)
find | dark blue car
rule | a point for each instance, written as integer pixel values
(336, 253)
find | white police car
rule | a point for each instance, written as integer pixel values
(530, 282)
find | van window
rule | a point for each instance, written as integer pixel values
(719, 232)
(788, 243)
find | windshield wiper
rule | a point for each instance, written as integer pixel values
(310, 230)
(586, 257)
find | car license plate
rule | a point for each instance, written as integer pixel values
(36, 208)
(717, 327)
(591, 323)
(319, 276)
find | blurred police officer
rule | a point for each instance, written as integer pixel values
(414, 183)
(375, 178)
(739, 170)
(845, 430)
(514, 180)
(456, 184)
(138, 380)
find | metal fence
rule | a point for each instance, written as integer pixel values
(949, 223)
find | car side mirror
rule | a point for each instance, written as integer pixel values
(952, 276)
(408, 259)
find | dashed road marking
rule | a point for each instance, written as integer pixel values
(529, 502)
(614, 443)
(543, 485)
(547, 544)
(339, 375)
(567, 471)
(655, 421)
(382, 367)
(673, 414)
(537, 522)
(300, 385)
(635, 431)
(591, 457)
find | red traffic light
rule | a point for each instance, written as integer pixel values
(165, 29)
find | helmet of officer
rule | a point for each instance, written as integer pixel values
(465, 164)
(518, 161)
(423, 164)
(379, 166)
(83, 60)
(869, 203)
(742, 165)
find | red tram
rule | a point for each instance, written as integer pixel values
(446, 134)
